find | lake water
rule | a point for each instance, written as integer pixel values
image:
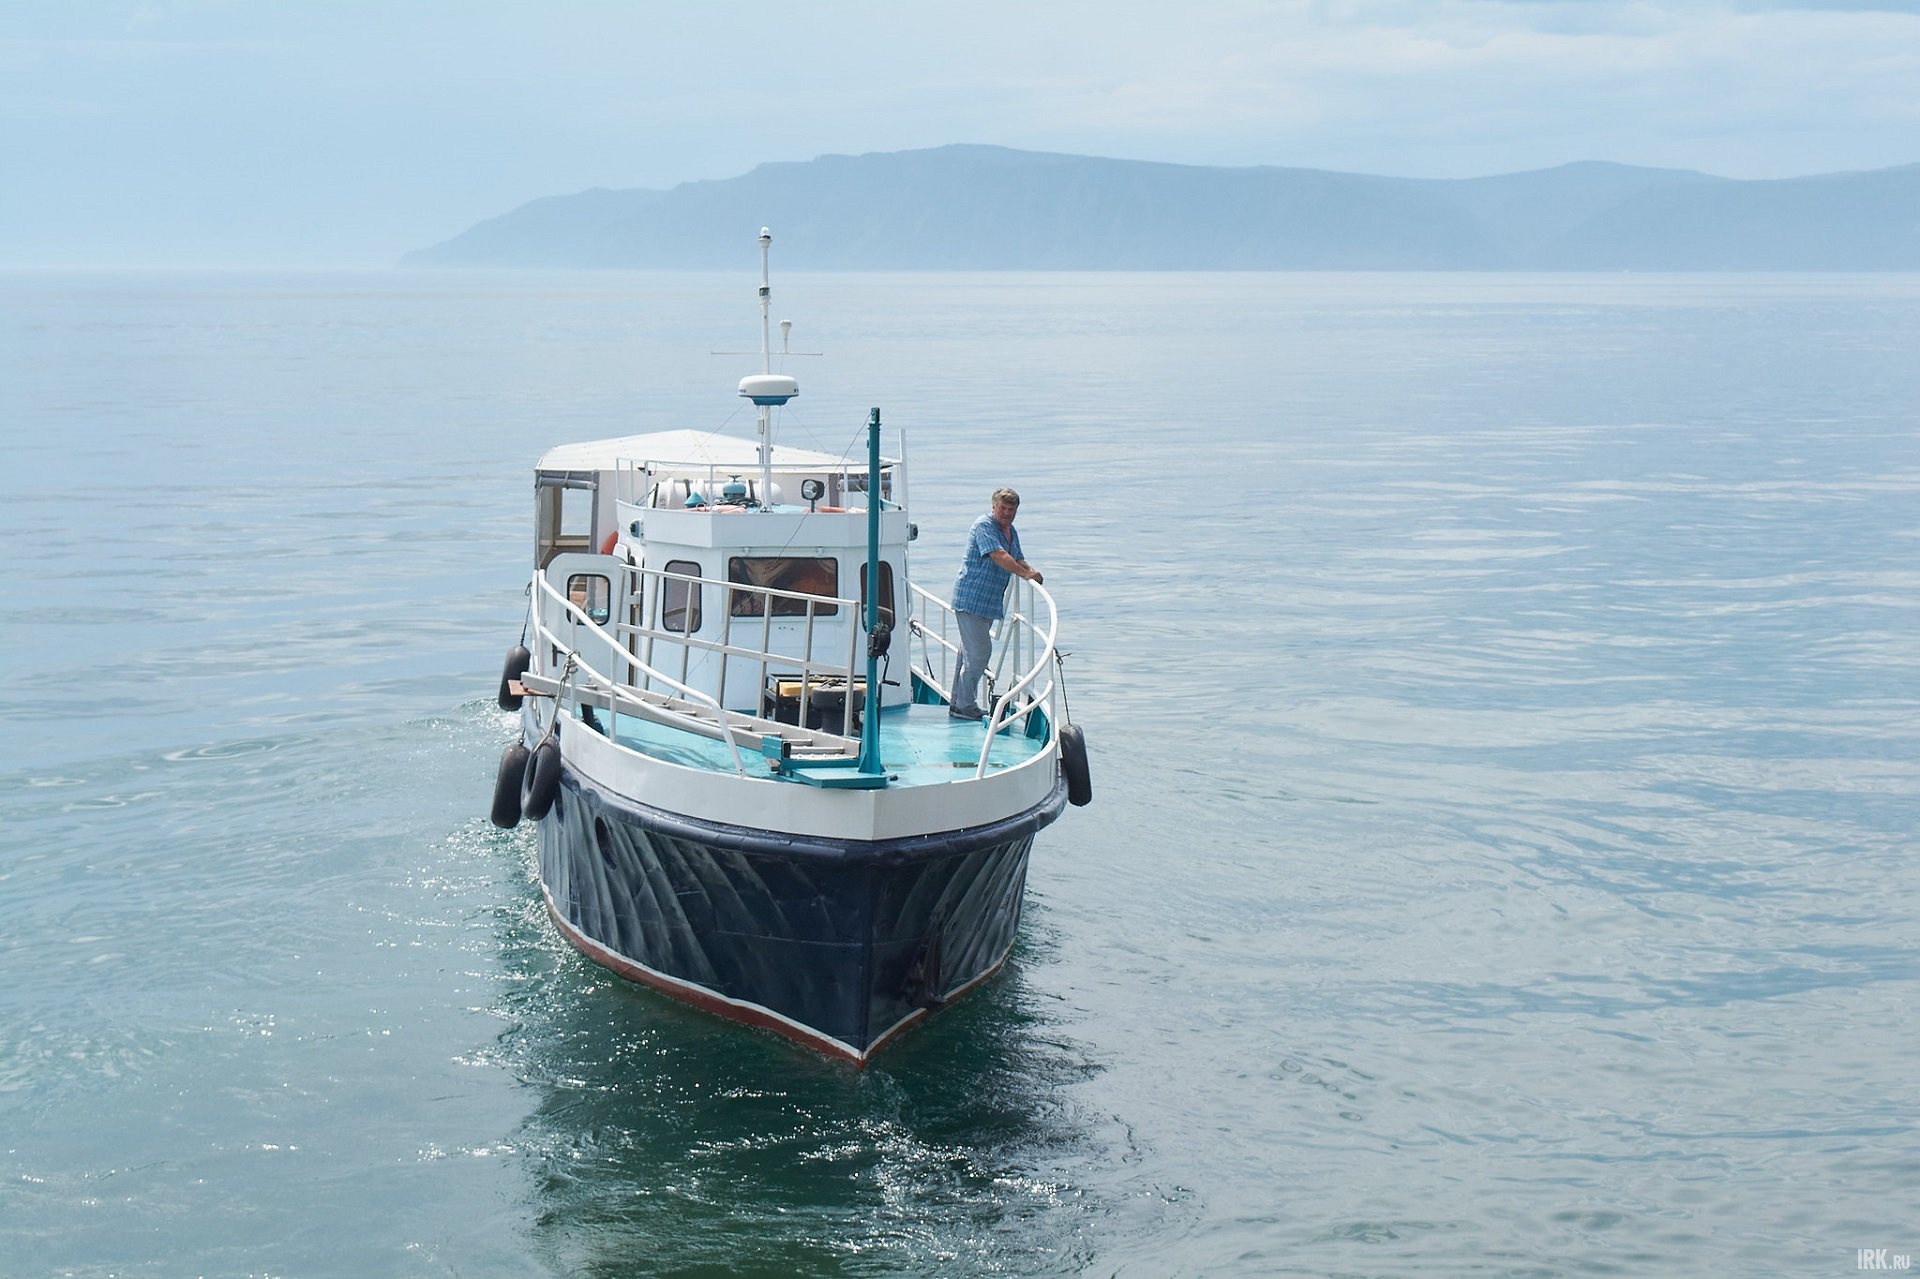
(1504, 702)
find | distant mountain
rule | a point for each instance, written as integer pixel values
(989, 208)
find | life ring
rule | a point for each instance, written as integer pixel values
(540, 780)
(613, 539)
(1073, 765)
(506, 787)
(518, 659)
(828, 510)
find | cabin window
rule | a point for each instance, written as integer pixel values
(591, 593)
(680, 600)
(576, 513)
(886, 593)
(563, 513)
(806, 574)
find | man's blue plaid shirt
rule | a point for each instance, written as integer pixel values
(982, 584)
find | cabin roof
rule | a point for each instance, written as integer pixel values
(702, 448)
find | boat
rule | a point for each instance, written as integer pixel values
(734, 733)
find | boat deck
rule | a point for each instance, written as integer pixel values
(920, 745)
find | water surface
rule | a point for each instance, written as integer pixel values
(1502, 693)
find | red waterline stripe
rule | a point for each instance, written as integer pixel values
(739, 1010)
(707, 1001)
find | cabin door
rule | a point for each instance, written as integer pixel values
(596, 586)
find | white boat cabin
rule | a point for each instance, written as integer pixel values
(733, 575)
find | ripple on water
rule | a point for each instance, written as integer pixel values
(1501, 862)
(960, 1147)
(236, 749)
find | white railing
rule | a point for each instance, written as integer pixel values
(1024, 643)
(1019, 675)
(653, 632)
(635, 646)
(664, 483)
(546, 598)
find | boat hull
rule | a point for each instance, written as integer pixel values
(836, 944)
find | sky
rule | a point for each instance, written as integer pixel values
(343, 133)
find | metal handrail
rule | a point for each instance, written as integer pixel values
(813, 671)
(656, 472)
(1017, 626)
(1019, 631)
(543, 587)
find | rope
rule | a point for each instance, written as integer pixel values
(559, 702)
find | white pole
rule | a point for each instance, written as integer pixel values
(766, 300)
(766, 366)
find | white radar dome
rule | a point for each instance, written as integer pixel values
(769, 388)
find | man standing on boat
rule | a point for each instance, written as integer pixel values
(993, 558)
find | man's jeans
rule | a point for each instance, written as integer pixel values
(976, 648)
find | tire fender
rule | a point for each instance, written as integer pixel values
(1073, 765)
(506, 787)
(518, 660)
(540, 780)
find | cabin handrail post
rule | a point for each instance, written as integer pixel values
(637, 611)
(686, 633)
(806, 661)
(647, 622)
(726, 634)
(853, 660)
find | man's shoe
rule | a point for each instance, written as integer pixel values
(965, 712)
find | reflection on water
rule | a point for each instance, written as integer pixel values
(669, 1135)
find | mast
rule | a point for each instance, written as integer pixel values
(767, 388)
(766, 367)
(766, 302)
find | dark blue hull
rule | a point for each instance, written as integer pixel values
(836, 944)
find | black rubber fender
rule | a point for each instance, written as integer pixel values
(506, 787)
(1073, 765)
(540, 781)
(518, 659)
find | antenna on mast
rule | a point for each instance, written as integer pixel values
(768, 388)
(766, 299)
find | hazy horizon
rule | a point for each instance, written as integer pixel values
(212, 133)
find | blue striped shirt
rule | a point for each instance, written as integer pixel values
(982, 585)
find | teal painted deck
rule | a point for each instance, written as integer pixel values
(919, 745)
